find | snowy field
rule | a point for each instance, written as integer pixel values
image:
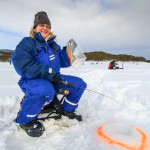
(120, 121)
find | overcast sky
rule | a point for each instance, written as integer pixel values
(112, 26)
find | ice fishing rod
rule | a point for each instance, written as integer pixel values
(71, 84)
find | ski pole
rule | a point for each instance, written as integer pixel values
(71, 84)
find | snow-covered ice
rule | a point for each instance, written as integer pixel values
(127, 103)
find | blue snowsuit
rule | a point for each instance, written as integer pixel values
(37, 61)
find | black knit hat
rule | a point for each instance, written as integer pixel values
(41, 18)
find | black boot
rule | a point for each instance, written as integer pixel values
(33, 128)
(72, 115)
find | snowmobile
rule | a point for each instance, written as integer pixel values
(114, 65)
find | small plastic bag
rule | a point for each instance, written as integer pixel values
(76, 54)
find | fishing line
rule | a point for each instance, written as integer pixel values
(70, 84)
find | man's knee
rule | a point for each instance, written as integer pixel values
(47, 91)
(81, 83)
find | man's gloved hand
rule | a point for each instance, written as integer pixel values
(57, 80)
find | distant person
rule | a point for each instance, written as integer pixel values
(112, 64)
(38, 59)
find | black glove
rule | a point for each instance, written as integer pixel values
(57, 80)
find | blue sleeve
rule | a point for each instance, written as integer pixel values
(64, 62)
(64, 58)
(24, 63)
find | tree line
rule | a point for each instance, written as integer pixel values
(5, 56)
(102, 56)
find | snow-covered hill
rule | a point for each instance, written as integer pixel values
(123, 97)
